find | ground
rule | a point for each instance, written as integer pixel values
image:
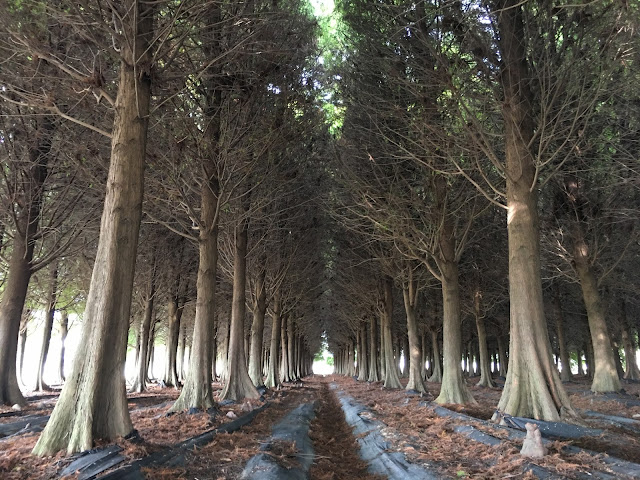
(412, 428)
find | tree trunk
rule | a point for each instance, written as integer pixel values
(454, 387)
(48, 327)
(284, 359)
(374, 375)
(145, 338)
(196, 392)
(413, 356)
(565, 373)
(290, 344)
(363, 356)
(632, 372)
(182, 345)
(391, 379)
(239, 384)
(274, 349)
(23, 344)
(533, 388)
(485, 361)
(93, 402)
(64, 330)
(19, 272)
(174, 311)
(436, 375)
(605, 375)
(257, 330)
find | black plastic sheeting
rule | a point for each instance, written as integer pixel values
(175, 456)
(26, 424)
(91, 463)
(294, 427)
(375, 450)
(616, 465)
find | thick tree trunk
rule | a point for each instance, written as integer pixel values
(485, 361)
(19, 271)
(239, 384)
(257, 331)
(605, 375)
(145, 338)
(374, 375)
(274, 349)
(533, 388)
(436, 369)
(454, 387)
(413, 355)
(391, 379)
(565, 373)
(64, 330)
(196, 392)
(48, 327)
(93, 402)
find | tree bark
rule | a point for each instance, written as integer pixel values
(391, 379)
(27, 219)
(93, 402)
(374, 375)
(413, 357)
(48, 327)
(64, 330)
(605, 375)
(632, 372)
(363, 356)
(272, 379)
(145, 337)
(257, 330)
(485, 361)
(239, 384)
(284, 359)
(565, 373)
(533, 388)
(454, 387)
(436, 369)
(174, 311)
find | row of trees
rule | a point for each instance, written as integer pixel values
(207, 112)
(457, 114)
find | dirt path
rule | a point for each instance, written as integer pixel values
(334, 444)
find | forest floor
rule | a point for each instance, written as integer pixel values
(412, 428)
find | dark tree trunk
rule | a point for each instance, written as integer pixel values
(48, 327)
(27, 219)
(413, 355)
(93, 402)
(363, 356)
(145, 336)
(174, 311)
(436, 369)
(565, 373)
(257, 330)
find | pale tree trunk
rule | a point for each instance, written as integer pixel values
(19, 272)
(351, 360)
(533, 388)
(23, 344)
(436, 369)
(182, 345)
(239, 384)
(272, 379)
(565, 373)
(93, 402)
(424, 355)
(374, 376)
(257, 330)
(485, 361)
(391, 379)
(413, 356)
(579, 358)
(605, 375)
(48, 327)
(290, 346)
(454, 387)
(214, 353)
(64, 330)
(145, 338)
